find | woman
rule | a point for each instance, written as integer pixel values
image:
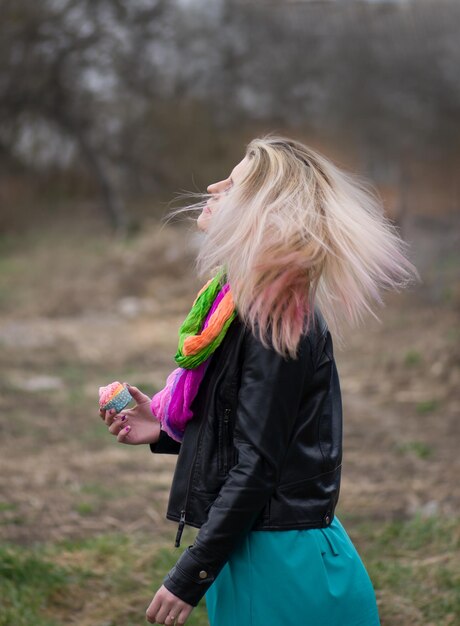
(254, 409)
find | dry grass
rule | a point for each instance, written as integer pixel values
(79, 309)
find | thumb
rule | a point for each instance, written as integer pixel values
(137, 394)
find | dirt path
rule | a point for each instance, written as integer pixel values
(64, 476)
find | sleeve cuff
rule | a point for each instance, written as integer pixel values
(165, 444)
(188, 579)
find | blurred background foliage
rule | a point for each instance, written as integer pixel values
(109, 107)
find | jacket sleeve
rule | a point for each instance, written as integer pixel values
(165, 444)
(268, 404)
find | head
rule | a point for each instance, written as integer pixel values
(291, 230)
(219, 190)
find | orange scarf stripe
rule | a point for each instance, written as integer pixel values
(193, 344)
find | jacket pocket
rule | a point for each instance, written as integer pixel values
(224, 441)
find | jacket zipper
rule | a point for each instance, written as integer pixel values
(225, 441)
(180, 529)
(181, 525)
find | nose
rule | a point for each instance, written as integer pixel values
(217, 187)
(212, 188)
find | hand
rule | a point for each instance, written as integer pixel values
(166, 608)
(136, 425)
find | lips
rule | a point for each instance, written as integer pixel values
(207, 209)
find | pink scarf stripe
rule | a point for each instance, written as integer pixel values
(172, 405)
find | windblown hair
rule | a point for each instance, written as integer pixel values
(297, 231)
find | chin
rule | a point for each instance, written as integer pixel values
(202, 224)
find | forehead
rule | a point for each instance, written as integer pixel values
(240, 168)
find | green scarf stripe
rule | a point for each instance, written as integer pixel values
(193, 323)
(194, 320)
(192, 361)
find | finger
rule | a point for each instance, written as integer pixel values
(137, 394)
(124, 434)
(153, 608)
(118, 425)
(155, 611)
(109, 416)
(166, 608)
(124, 414)
(179, 612)
(183, 615)
(112, 416)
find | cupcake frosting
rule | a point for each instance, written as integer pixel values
(107, 393)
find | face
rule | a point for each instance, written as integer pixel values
(218, 189)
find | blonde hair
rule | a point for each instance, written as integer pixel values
(295, 231)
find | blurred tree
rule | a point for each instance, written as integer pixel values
(142, 90)
(58, 71)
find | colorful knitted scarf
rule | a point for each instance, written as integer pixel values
(201, 333)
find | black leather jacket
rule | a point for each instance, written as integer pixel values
(262, 452)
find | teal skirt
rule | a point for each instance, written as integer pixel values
(311, 577)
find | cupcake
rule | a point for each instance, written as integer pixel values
(114, 396)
